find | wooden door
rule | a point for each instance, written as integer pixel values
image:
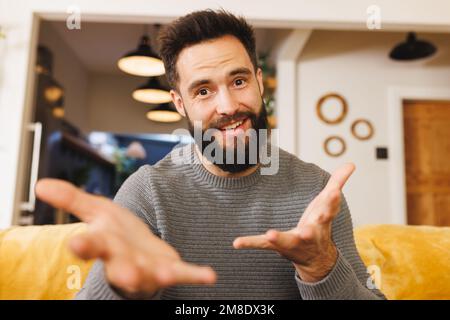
(427, 161)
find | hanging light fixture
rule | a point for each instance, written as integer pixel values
(143, 61)
(58, 108)
(152, 92)
(53, 91)
(412, 49)
(44, 61)
(164, 113)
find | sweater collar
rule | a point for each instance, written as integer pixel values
(203, 175)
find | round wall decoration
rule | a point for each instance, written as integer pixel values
(362, 129)
(327, 103)
(334, 146)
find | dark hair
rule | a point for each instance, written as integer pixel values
(199, 26)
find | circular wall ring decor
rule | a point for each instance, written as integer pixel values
(320, 110)
(367, 124)
(328, 141)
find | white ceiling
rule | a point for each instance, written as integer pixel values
(100, 45)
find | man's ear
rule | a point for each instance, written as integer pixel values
(178, 102)
(259, 78)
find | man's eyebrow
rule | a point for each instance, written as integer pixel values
(197, 83)
(200, 82)
(242, 70)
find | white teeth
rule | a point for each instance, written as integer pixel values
(233, 125)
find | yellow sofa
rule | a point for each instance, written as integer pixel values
(411, 262)
(35, 262)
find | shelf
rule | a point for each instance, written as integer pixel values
(83, 147)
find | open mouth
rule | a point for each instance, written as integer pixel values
(234, 125)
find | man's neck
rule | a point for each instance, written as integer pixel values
(221, 173)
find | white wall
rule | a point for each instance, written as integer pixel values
(356, 65)
(15, 61)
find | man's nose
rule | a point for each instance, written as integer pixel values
(226, 103)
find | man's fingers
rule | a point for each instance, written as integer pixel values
(283, 240)
(340, 176)
(329, 208)
(185, 273)
(253, 242)
(63, 195)
(88, 246)
(324, 208)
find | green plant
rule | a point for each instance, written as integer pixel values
(125, 166)
(269, 78)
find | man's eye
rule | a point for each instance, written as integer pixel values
(202, 92)
(239, 82)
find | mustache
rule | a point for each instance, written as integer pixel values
(217, 124)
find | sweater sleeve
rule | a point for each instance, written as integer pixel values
(131, 195)
(349, 278)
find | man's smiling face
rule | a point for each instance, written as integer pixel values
(218, 86)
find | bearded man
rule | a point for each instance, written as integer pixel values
(214, 225)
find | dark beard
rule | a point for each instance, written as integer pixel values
(259, 121)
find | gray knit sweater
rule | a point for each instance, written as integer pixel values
(200, 214)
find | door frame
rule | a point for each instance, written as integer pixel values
(397, 180)
(37, 16)
(32, 15)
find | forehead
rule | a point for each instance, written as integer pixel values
(212, 56)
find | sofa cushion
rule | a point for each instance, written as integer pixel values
(35, 262)
(413, 261)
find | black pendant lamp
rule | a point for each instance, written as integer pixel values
(58, 108)
(152, 92)
(44, 61)
(412, 49)
(53, 90)
(164, 113)
(143, 61)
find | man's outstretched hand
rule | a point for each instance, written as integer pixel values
(309, 246)
(136, 261)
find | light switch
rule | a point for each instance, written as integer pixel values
(382, 152)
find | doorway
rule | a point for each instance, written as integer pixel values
(427, 167)
(95, 100)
